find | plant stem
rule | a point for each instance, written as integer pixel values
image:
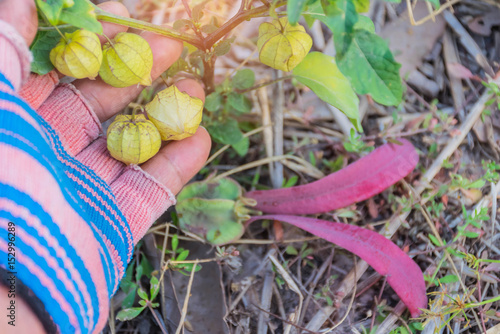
(211, 39)
(137, 24)
(157, 319)
(208, 74)
(264, 84)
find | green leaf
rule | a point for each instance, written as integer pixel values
(40, 48)
(197, 12)
(209, 28)
(154, 287)
(126, 283)
(362, 6)
(478, 184)
(175, 242)
(364, 23)
(183, 255)
(291, 182)
(341, 16)
(294, 9)
(222, 48)
(290, 250)
(239, 102)
(434, 240)
(320, 73)
(129, 313)
(371, 68)
(449, 279)
(51, 9)
(435, 3)
(213, 219)
(470, 234)
(226, 132)
(183, 23)
(243, 79)
(142, 294)
(242, 146)
(128, 301)
(224, 188)
(81, 15)
(213, 102)
(146, 266)
(180, 65)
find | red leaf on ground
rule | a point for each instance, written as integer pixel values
(403, 274)
(360, 180)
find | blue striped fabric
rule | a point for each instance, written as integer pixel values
(47, 149)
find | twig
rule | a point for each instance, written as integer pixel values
(235, 21)
(186, 300)
(277, 119)
(265, 302)
(468, 42)
(266, 83)
(260, 163)
(428, 17)
(356, 277)
(187, 9)
(160, 323)
(291, 284)
(286, 321)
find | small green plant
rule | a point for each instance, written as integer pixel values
(491, 171)
(355, 144)
(178, 258)
(493, 89)
(325, 292)
(475, 219)
(458, 181)
(145, 301)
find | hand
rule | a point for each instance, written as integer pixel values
(177, 162)
(97, 235)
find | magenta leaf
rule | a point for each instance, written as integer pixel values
(403, 274)
(360, 180)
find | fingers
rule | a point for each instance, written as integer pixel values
(191, 87)
(107, 100)
(144, 195)
(179, 161)
(110, 29)
(97, 156)
(21, 14)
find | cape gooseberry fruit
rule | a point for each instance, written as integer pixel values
(127, 60)
(133, 139)
(78, 54)
(282, 46)
(175, 114)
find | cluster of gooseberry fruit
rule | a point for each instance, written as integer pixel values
(125, 61)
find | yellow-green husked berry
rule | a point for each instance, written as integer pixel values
(133, 139)
(127, 61)
(176, 114)
(78, 54)
(282, 46)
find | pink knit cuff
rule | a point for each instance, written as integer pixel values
(141, 198)
(97, 157)
(38, 88)
(15, 57)
(69, 113)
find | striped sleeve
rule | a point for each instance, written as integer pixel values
(61, 231)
